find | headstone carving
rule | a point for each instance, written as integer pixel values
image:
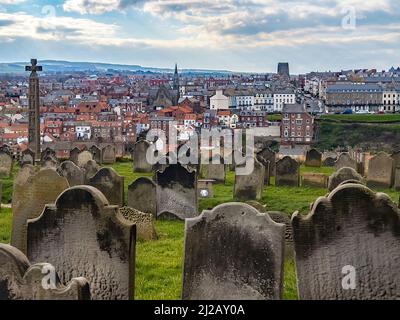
(142, 195)
(111, 184)
(32, 191)
(82, 233)
(19, 280)
(380, 171)
(352, 232)
(342, 175)
(345, 161)
(287, 172)
(250, 187)
(177, 191)
(74, 174)
(240, 256)
(140, 163)
(313, 158)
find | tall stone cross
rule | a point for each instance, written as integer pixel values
(34, 109)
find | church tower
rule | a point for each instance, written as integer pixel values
(175, 85)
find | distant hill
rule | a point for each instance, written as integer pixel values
(67, 66)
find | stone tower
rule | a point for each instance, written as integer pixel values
(175, 86)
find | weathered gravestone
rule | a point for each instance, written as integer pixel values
(32, 191)
(214, 170)
(240, 256)
(50, 162)
(47, 153)
(177, 191)
(250, 186)
(74, 174)
(142, 195)
(266, 170)
(345, 161)
(343, 174)
(287, 172)
(27, 157)
(6, 163)
(108, 155)
(73, 155)
(268, 155)
(397, 178)
(82, 234)
(396, 158)
(83, 158)
(316, 180)
(111, 184)
(329, 162)
(96, 153)
(380, 171)
(91, 168)
(19, 280)
(139, 156)
(145, 229)
(313, 158)
(348, 246)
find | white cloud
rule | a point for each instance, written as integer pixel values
(91, 6)
(11, 1)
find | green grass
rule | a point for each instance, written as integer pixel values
(363, 118)
(8, 185)
(159, 263)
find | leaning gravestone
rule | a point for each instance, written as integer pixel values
(345, 161)
(287, 172)
(250, 187)
(108, 155)
(177, 191)
(268, 155)
(142, 195)
(111, 184)
(82, 234)
(96, 153)
(380, 171)
(32, 191)
(348, 245)
(74, 174)
(343, 174)
(145, 228)
(21, 281)
(139, 156)
(240, 256)
(83, 158)
(91, 168)
(6, 162)
(313, 158)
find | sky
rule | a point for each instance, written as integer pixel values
(236, 35)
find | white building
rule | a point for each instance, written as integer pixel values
(281, 98)
(83, 132)
(219, 101)
(264, 102)
(390, 100)
(245, 102)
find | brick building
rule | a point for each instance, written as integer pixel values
(297, 125)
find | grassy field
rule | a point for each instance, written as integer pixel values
(159, 262)
(363, 118)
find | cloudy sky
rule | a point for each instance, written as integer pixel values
(239, 35)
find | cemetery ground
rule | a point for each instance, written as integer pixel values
(159, 262)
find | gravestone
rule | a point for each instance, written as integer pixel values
(287, 172)
(47, 153)
(214, 171)
(266, 170)
(343, 174)
(345, 161)
(396, 158)
(74, 174)
(19, 280)
(96, 153)
(313, 158)
(316, 180)
(177, 191)
(27, 157)
(205, 188)
(251, 186)
(329, 162)
(142, 195)
(281, 217)
(73, 155)
(50, 162)
(108, 155)
(380, 171)
(82, 233)
(6, 163)
(240, 256)
(83, 158)
(140, 163)
(348, 246)
(397, 179)
(145, 228)
(32, 191)
(111, 184)
(91, 168)
(268, 155)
